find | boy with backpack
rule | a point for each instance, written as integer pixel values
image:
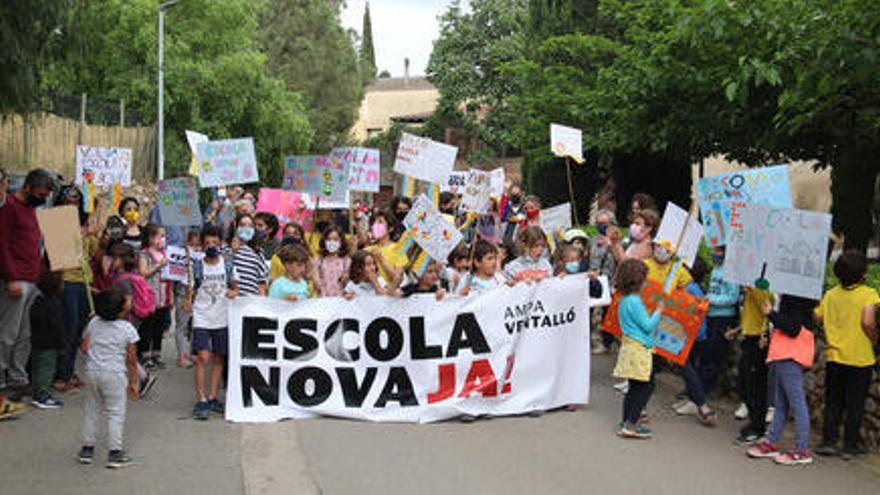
(215, 281)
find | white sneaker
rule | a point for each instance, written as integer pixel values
(622, 387)
(742, 412)
(675, 405)
(600, 349)
(769, 417)
(686, 409)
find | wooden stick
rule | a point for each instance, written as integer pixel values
(571, 190)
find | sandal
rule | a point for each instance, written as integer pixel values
(708, 418)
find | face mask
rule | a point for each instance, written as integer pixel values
(132, 217)
(290, 241)
(212, 252)
(662, 255)
(718, 259)
(401, 215)
(160, 244)
(572, 267)
(532, 214)
(35, 201)
(603, 228)
(515, 200)
(332, 246)
(245, 233)
(379, 230)
(635, 231)
(259, 235)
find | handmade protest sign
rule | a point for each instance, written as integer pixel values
(496, 185)
(179, 202)
(682, 231)
(177, 268)
(556, 219)
(323, 177)
(193, 139)
(475, 198)
(507, 351)
(227, 162)
(454, 182)
(363, 167)
(61, 236)
(679, 324)
(721, 197)
(424, 159)
(288, 206)
(103, 166)
(783, 246)
(566, 142)
(430, 230)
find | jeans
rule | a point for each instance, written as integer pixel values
(846, 388)
(76, 311)
(151, 330)
(790, 397)
(693, 384)
(15, 335)
(753, 369)
(181, 322)
(637, 397)
(105, 391)
(43, 362)
(714, 355)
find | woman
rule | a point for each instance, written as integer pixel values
(129, 209)
(250, 265)
(267, 225)
(641, 232)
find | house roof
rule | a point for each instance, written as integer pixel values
(400, 84)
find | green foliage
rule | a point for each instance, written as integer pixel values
(367, 58)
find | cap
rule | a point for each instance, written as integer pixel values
(572, 234)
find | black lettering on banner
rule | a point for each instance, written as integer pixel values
(307, 344)
(334, 341)
(418, 347)
(252, 339)
(398, 387)
(296, 386)
(252, 382)
(353, 394)
(373, 339)
(467, 334)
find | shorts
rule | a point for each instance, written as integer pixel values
(215, 340)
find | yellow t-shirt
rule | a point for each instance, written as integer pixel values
(391, 253)
(76, 275)
(659, 274)
(753, 320)
(841, 313)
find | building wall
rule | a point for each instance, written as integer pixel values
(378, 108)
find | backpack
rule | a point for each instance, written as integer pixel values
(143, 300)
(198, 270)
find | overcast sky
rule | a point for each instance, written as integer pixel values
(401, 28)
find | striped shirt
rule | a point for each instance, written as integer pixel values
(252, 269)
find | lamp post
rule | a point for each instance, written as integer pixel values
(160, 152)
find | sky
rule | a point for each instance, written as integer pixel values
(401, 28)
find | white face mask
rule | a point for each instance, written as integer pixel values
(332, 246)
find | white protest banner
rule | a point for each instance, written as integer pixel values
(431, 231)
(556, 219)
(103, 166)
(566, 142)
(61, 236)
(454, 182)
(179, 202)
(363, 167)
(227, 162)
(476, 192)
(682, 231)
(176, 269)
(784, 247)
(496, 187)
(507, 351)
(424, 159)
(193, 139)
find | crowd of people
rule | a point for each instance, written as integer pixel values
(117, 307)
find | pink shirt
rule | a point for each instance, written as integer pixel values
(330, 271)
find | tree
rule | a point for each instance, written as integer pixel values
(309, 50)
(384, 74)
(367, 54)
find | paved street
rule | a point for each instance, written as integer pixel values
(559, 453)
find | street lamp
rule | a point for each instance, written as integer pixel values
(160, 158)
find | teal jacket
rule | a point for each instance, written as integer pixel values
(635, 321)
(723, 295)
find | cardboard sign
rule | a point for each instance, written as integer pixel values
(496, 185)
(193, 139)
(722, 197)
(61, 236)
(324, 177)
(566, 142)
(556, 219)
(227, 162)
(288, 206)
(783, 246)
(103, 166)
(179, 202)
(476, 192)
(430, 230)
(424, 159)
(454, 183)
(679, 325)
(363, 167)
(682, 231)
(177, 268)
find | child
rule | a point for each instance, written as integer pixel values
(214, 282)
(753, 363)
(111, 363)
(792, 319)
(251, 267)
(47, 338)
(363, 277)
(292, 234)
(847, 313)
(183, 319)
(485, 275)
(455, 272)
(333, 265)
(427, 283)
(293, 286)
(152, 261)
(578, 239)
(531, 266)
(661, 264)
(635, 360)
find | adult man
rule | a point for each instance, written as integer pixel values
(20, 267)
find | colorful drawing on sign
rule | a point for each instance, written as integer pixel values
(430, 230)
(476, 192)
(681, 320)
(556, 219)
(288, 206)
(784, 247)
(721, 197)
(566, 142)
(496, 188)
(324, 177)
(177, 269)
(227, 162)
(363, 167)
(454, 183)
(423, 159)
(179, 202)
(103, 166)
(682, 231)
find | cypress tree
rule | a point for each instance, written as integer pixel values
(367, 55)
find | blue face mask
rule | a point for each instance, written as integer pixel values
(603, 228)
(572, 267)
(245, 233)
